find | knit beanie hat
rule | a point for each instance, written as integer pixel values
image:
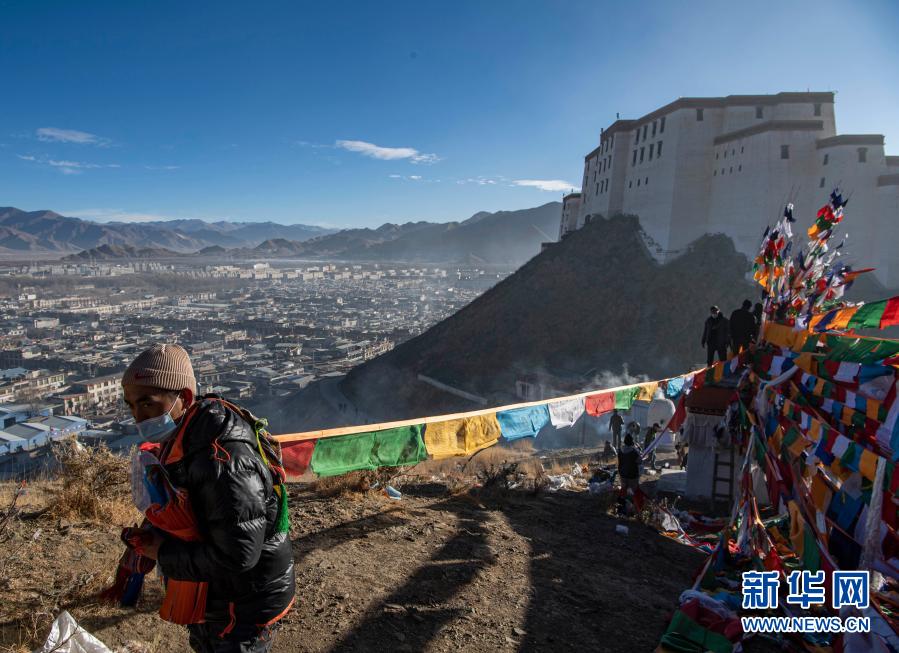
(162, 366)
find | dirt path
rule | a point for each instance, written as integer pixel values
(432, 572)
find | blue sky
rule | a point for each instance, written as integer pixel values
(357, 113)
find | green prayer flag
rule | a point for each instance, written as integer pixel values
(624, 399)
(685, 635)
(868, 316)
(388, 448)
(400, 446)
(811, 556)
(851, 457)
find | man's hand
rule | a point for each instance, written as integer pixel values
(145, 541)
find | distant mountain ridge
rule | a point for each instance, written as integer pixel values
(500, 238)
(48, 231)
(503, 237)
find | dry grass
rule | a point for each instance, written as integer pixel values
(59, 543)
(353, 482)
(93, 485)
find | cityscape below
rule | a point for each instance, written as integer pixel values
(255, 331)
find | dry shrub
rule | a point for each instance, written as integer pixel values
(354, 482)
(95, 485)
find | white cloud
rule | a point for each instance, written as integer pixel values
(162, 167)
(415, 177)
(480, 181)
(56, 135)
(66, 166)
(554, 185)
(387, 153)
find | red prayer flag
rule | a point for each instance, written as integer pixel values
(890, 315)
(599, 404)
(296, 456)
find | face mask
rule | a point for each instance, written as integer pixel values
(157, 429)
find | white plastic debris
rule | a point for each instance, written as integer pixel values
(621, 529)
(393, 493)
(66, 636)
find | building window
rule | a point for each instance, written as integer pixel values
(699, 115)
(725, 154)
(637, 136)
(742, 149)
(630, 184)
(826, 159)
(759, 113)
(638, 183)
(646, 182)
(821, 185)
(634, 162)
(862, 154)
(784, 151)
(653, 128)
(659, 149)
(817, 108)
(733, 152)
(594, 175)
(662, 125)
(651, 146)
(642, 152)
(722, 171)
(645, 127)
(715, 172)
(740, 168)
(717, 154)
(731, 170)
(597, 189)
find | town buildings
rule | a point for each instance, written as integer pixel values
(730, 165)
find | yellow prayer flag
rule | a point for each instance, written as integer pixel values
(461, 437)
(821, 493)
(819, 388)
(797, 530)
(872, 408)
(776, 439)
(798, 446)
(814, 432)
(868, 464)
(646, 391)
(841, 319)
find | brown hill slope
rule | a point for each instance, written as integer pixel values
(595, 301)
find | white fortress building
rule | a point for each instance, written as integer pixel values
(730, 164)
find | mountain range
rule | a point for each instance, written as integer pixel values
(50, 232)
(501, 238)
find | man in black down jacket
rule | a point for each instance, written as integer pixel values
(715, 336)
(742, 327)
(247, 563)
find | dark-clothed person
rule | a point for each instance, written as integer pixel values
(236, 574)
(616, 422)
(742, 327)
(629, 464)
(715, 336)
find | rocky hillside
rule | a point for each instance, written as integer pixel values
(595, 302)
(119, 252)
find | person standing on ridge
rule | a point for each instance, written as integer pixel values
(715, 336)
(757, 314)
(228, 565)
(742, 327)
(629, 465)
(616, 422)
